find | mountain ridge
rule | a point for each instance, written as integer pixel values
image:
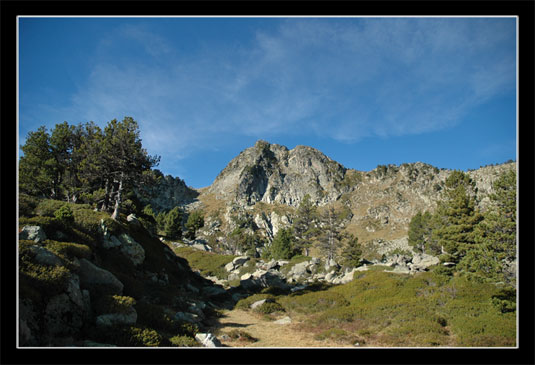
(268, 181)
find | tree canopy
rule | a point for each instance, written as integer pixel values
(84, 162)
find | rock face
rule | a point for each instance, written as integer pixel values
(94, 276)
(167, 194)
(32, 233)
(208, 340)
(271, 173)
(379, 204)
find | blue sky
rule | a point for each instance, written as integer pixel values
(364, 91)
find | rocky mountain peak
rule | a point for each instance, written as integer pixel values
(272, 173)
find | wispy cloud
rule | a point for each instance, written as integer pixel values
(345, 79)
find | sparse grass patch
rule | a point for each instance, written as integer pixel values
(208, 263)
(184, 341)
(337, 335)
(68, 250)
(241, 335)
(245, 303)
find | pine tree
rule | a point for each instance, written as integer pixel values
(455, 218)
(331, 234)
(283, 245)
(420, 229)
(37, 168)
(305, 224)
(194, 222)
(125, 158)
(495, 235)
(352, 252)
(173, 223)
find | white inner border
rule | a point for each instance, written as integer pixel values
(268, 16)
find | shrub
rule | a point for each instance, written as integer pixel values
(64, 214)
(69, 250)
(113, 304)
(144, 337)
(89, 221)
(153, 315)
(48, 280)
(183, 341)
(27, 204)
(241, 335)
(269, 307)
(48, 207)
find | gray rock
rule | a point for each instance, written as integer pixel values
(257, 303)
(74, 292)
(62, 317)
(240, 260)
(285, 320)
(92, 276)
(330, 276)
(186, 317)
(132, 219)
(208, 340)
(300, 269)
(111, 242)
(213, 291)
(263, 279)
(131, 249)
(32, 233)
(273, 174)
(229, 267)
(117, 319)
(45, 257)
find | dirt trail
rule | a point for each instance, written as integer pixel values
(268, 333)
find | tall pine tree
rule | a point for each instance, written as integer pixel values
(455, 218)
(305, 224)
(495, 236)
(331, 236)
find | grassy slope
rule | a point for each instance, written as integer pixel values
(385, 309)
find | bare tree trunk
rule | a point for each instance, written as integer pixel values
(118, 199)
(104, 205)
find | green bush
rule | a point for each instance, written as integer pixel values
(48, 207)
(146, 337)
(113, 304)
(153, 315)
(184, 341)
(27, 204)
(269, 307)
(50, 225)
(69, 250)
(89, 221)
(64, 214)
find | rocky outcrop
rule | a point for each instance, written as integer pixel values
(128, 317)
(378, 204)
(94, 277)
(32, 233)
(166, 194)
(273, 174)
(208, 340)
